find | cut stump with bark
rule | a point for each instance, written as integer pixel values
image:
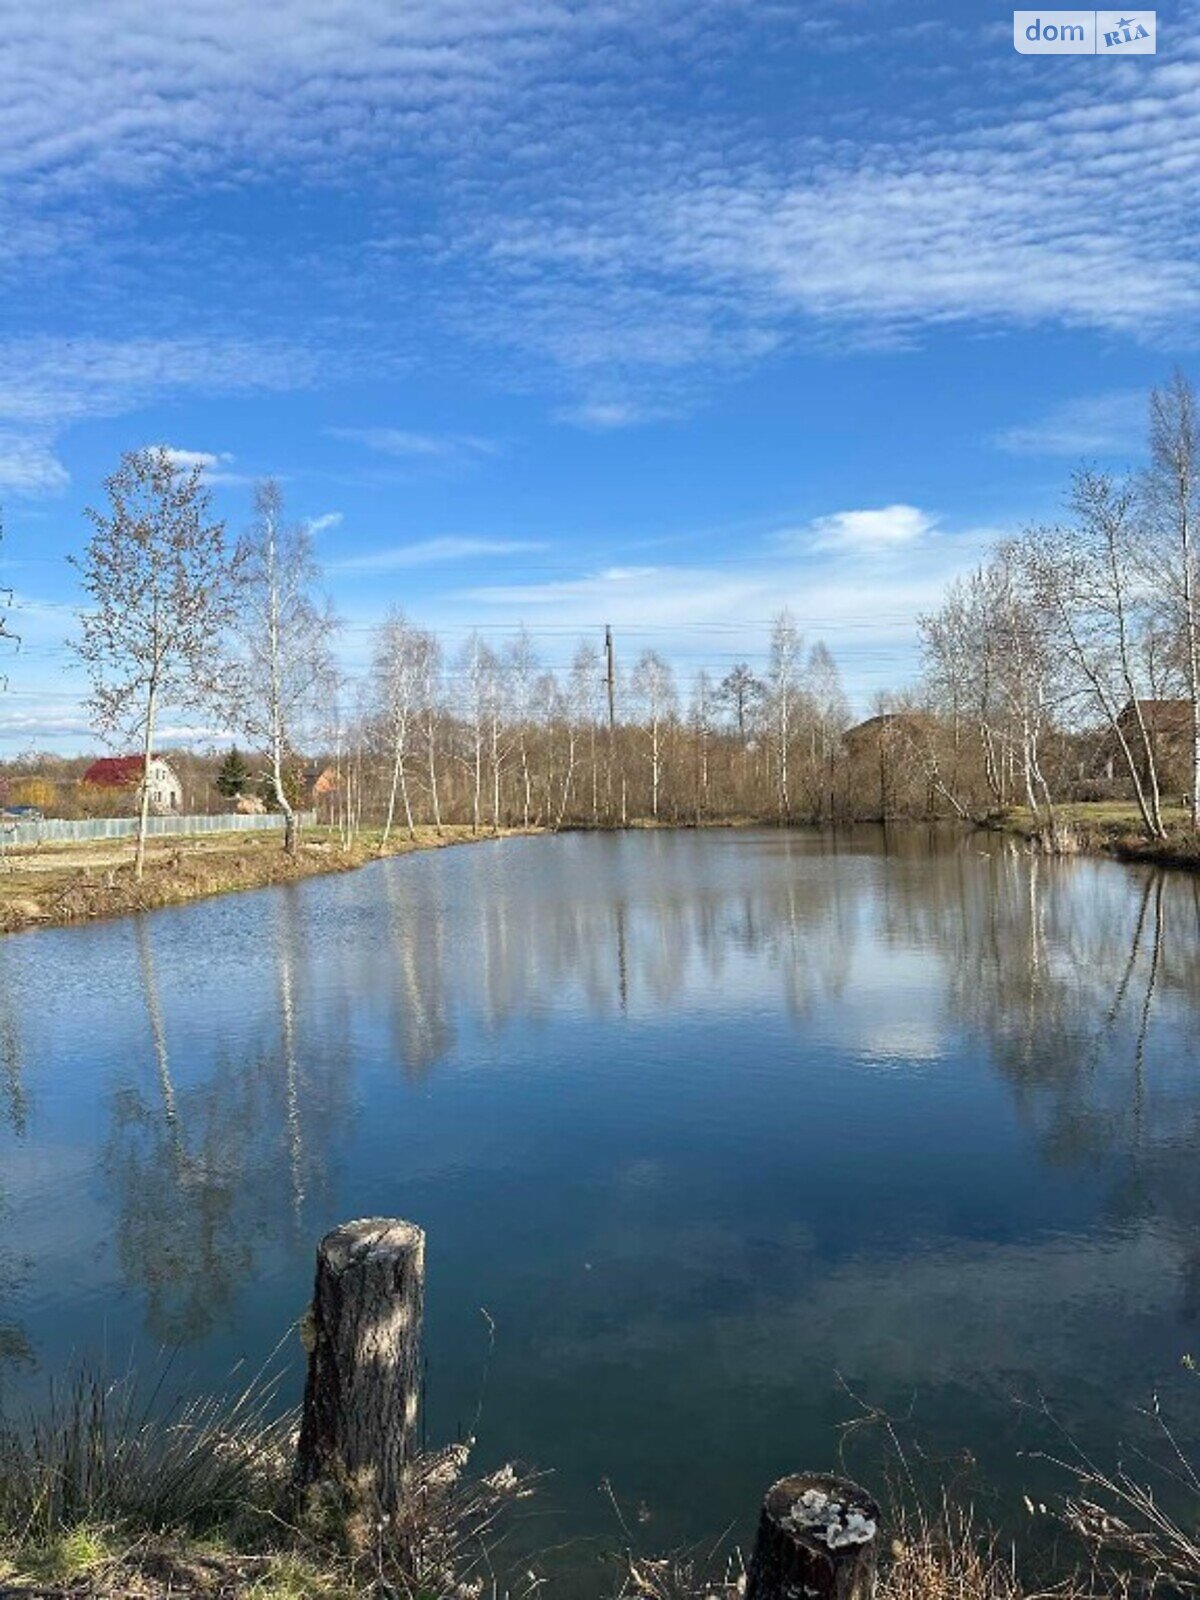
(817, 1540)
(359, 1424)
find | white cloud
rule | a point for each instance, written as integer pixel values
(605, 416)
(1093, 425)
(433, 552)
(19, 727)
(28, 466)
(1068, 208)
(626, 259)
(325, 523)
(215, 466)
(47, 383)
(883, 529)
(187, 459)
(400, 442)
(137, 99)
(864, 608)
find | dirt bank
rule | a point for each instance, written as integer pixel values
(51, 885)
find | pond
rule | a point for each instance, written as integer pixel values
(732, 1136)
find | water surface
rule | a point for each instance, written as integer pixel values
(722, 1130)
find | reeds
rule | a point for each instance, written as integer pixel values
(115, 1453)
(117, 1480)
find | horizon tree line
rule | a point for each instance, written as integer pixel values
(1048, 673)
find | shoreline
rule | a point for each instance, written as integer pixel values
(1103, 833)
(71, 885)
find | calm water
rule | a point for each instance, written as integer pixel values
(716, 1128)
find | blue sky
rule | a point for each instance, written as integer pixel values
(657, 312)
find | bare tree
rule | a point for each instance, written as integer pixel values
(282, 643)
(161, 587)
(522, 670)
(430, 698)
(700, 722)
(1172, 489)
(498, 692)
(742, 694)
(397, 672)
(992, 656)
(475, 664)
(1085, 577)
(654, 688)
(831, 717)
(559, 716)
(783, 690)
(960, 676)
(587, 708)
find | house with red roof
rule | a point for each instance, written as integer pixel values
(125, 772)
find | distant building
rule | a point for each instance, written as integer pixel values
(1168, 724)
(867, 737)
(325, 790)
(326, 783)
(125, 772)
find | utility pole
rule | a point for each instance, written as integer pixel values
(610, 672)
(612, 679)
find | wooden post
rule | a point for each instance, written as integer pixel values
(363, 1336)
(817, 1540)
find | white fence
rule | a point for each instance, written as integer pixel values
(56, 831)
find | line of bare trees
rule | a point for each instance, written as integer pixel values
(1067, 666)
(1073, 653)
(495, 738)
(181, 616)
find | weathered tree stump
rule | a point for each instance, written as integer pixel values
(363, 1335)
(817, 1540)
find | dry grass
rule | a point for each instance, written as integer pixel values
(1140, 1524)
(114, 1491)
(942, 1555)
(948, 1556)
(1113, 829)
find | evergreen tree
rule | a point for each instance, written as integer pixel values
(233, 778)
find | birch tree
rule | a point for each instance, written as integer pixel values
(587, 708)
(522, 671)
(700, 723)
(282, 643)
(1172, 489)
(160, 586)
(831, 717)
(475, 668)
(783, 690)
(559, 720)
(397, 672)
(654, 688)
(430, 699)
(1085, 577)
(961, 677)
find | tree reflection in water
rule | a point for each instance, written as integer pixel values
(688, 1112)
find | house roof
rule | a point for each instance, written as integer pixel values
(1161, 716)
(116, 772)
(887, 719)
